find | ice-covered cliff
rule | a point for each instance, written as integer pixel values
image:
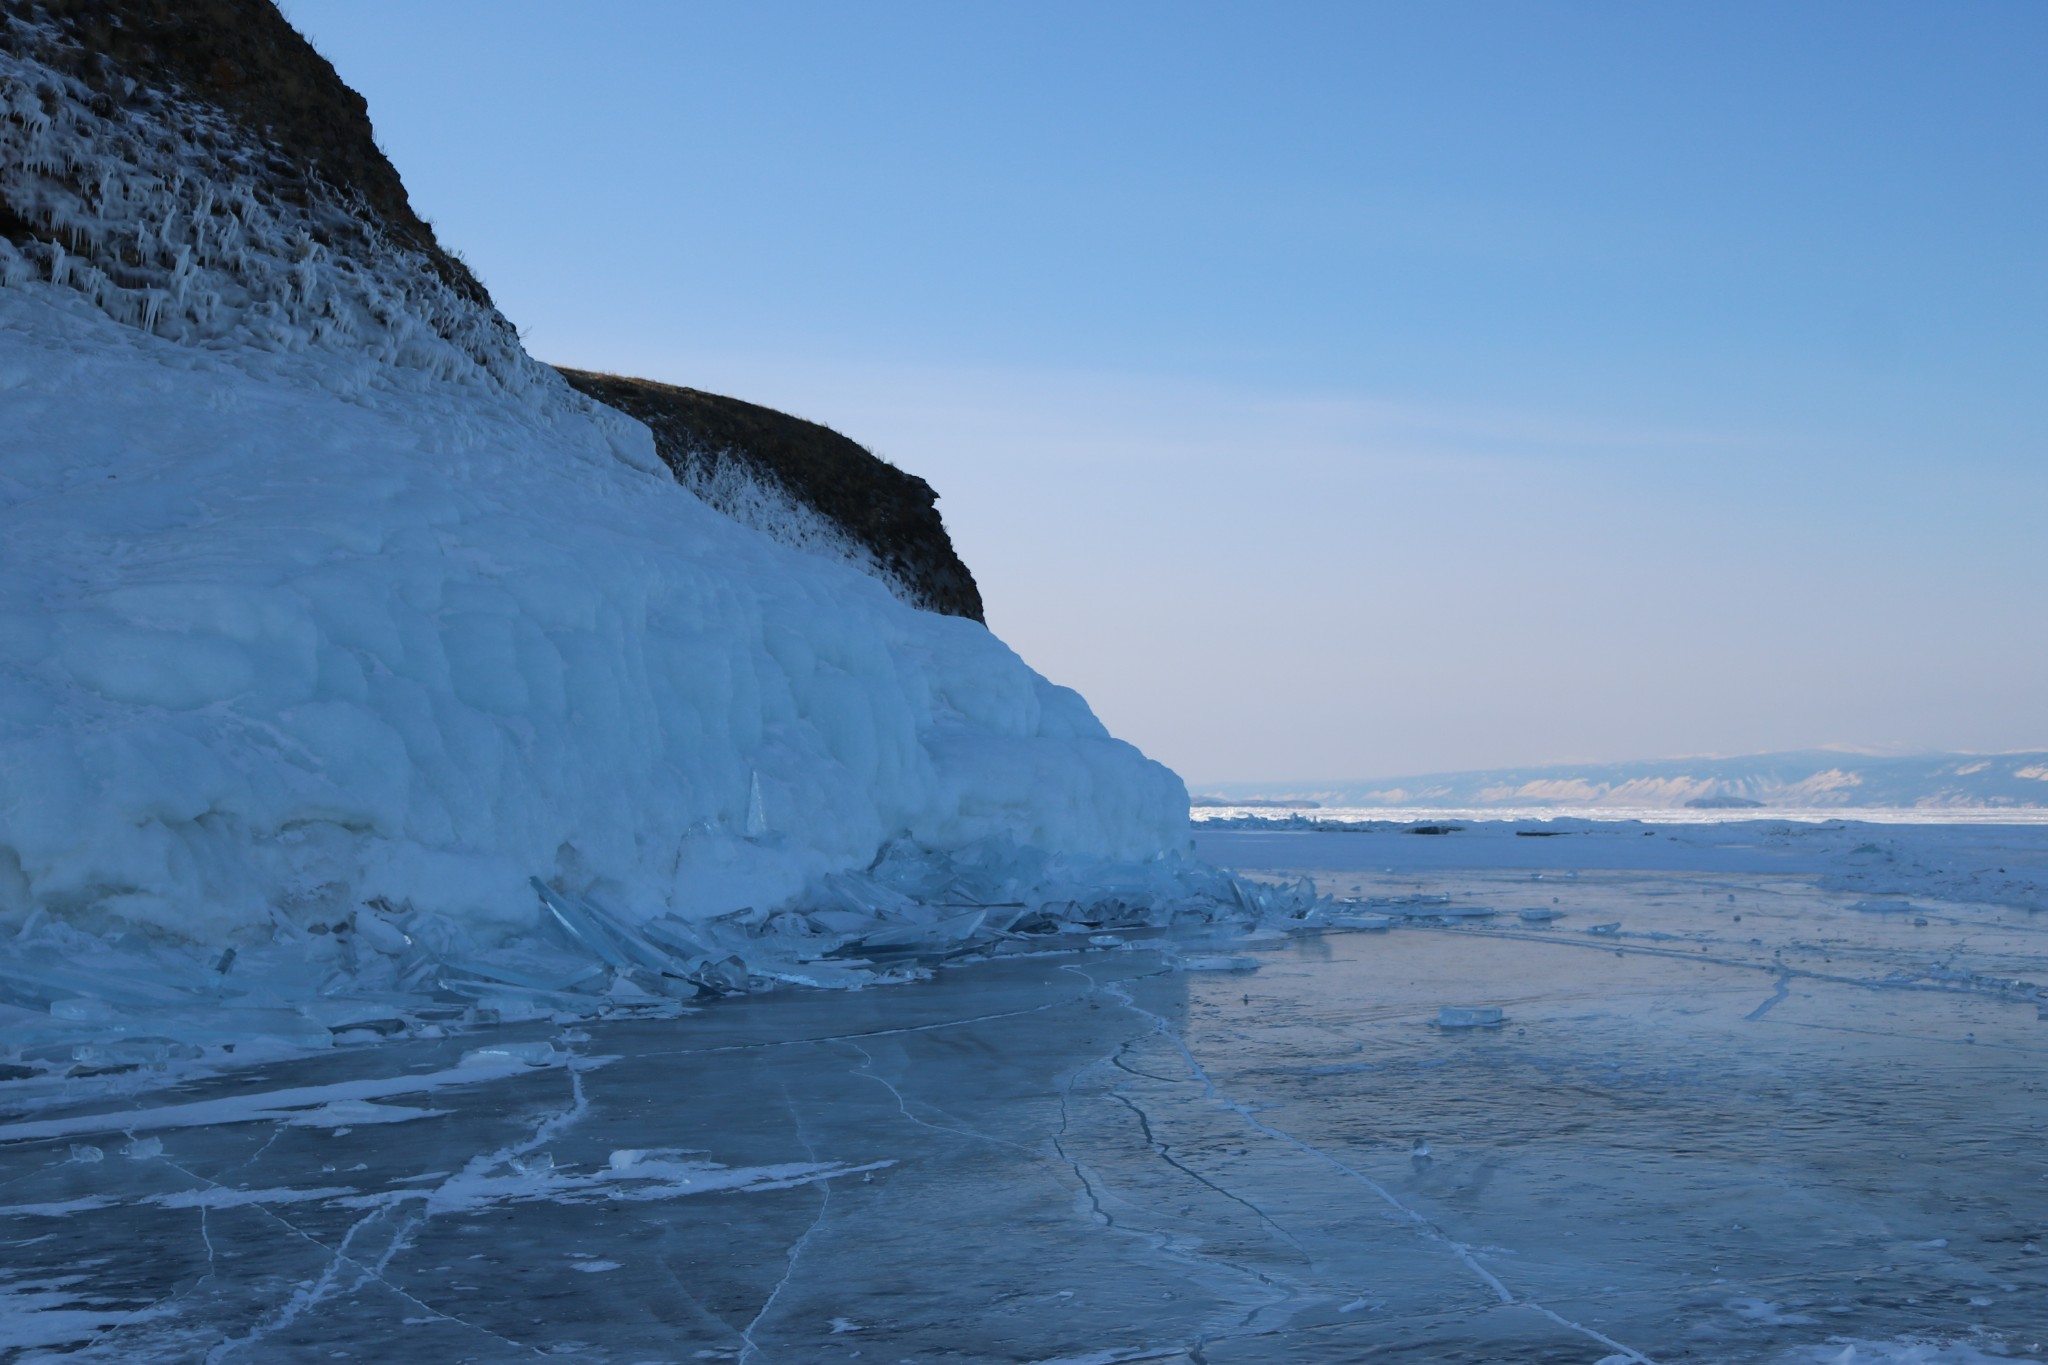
(801, 482)
(336, 630)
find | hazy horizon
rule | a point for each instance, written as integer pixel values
(1970, 786)
(1197, 785)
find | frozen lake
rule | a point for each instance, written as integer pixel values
(1751, 1098)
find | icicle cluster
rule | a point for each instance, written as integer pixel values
(160, 211)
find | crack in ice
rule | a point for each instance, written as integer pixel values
(866, 1072)
(1784, 989)
(1080, 1172)
(1464, 1253)
(796, 1250)
(324, 1287)
(303, 1297)
(2003, 988)
(1165, 1243)
(1165, 1154)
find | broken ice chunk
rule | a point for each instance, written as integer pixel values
(1537, 914)
(727, 976)
(340, 1015)
(846, 922)
(1219, 964)
(1613, 928)
(1362, 921)
(529, 966)
(603, 932)
(505, 1005)
(932, 934)
(850, 975)
(1469, 1016)
(127, 1054)
(865, 896)
(652, 1158)
(541, 1053)
(344, 1114)
(679, 938)
(624, 987)
(381, 934)
(224, 1021)
(579, 926)
(652, 983)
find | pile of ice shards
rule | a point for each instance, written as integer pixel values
(76, 1005)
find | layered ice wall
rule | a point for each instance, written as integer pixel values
(317, 594)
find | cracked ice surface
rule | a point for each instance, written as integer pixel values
(1749, 1122)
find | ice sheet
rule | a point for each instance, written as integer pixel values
(1771, 1129)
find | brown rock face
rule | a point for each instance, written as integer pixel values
(888, 512)
(244, 58)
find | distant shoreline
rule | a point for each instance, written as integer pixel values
(1280, 815)
(1813, 780)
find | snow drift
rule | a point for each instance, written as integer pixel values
(336, 630)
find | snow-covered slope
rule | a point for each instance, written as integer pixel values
(336, 629)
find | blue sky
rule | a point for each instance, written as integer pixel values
(1338, 390)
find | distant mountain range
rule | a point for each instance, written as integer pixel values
(1813, 778)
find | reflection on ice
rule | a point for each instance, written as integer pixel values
(1774, 1128)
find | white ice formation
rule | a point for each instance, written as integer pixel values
(727, 484)
(348, 656)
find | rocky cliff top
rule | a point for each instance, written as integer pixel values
(890, 513)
